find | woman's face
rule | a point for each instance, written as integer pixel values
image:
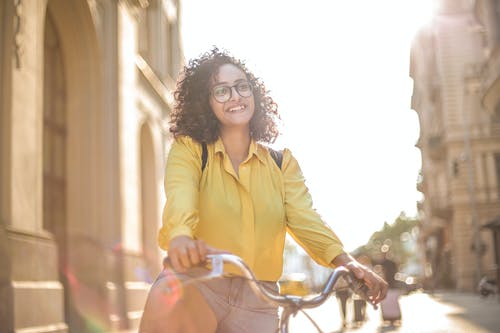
(231, 97)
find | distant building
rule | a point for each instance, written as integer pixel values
(85, 94)
(455, 65)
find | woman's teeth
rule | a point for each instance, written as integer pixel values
(236, 108)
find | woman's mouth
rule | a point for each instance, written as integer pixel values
(237, 108)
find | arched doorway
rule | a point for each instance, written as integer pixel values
(72, 135)
(54, 150)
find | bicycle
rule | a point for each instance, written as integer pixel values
(290, 304)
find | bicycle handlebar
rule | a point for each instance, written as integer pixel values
(217, 262)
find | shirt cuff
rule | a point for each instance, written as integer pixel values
(332, 252)
(182, 230)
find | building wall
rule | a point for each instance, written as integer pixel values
(90, 266)
(454, 68)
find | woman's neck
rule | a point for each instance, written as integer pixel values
(237, 145)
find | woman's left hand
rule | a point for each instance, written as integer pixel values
(377, 287)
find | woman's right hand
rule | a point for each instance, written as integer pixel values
(185, 252)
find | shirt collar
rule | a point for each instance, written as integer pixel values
(219, 146)
(258, 150)
(255, 149)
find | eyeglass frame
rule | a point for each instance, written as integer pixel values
(235, 86)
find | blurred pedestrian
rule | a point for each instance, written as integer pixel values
(359, 304)
(343, 293)
(390, 308)
(389, 269)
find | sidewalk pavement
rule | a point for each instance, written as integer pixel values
(477, 313)
(441, 312)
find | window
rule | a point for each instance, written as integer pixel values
(496, 115)
(496, 7)
(54, 134)
(143, 22)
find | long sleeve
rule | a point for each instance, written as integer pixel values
(303, 222)
(182, 177)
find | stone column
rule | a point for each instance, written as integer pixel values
(28, 254)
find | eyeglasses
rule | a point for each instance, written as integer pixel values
(223, 94)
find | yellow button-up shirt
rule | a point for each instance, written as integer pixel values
(247, 215)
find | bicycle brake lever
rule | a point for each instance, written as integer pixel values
(217, 264)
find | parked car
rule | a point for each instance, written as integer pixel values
(294, 284)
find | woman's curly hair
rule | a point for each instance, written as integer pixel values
(192, 115)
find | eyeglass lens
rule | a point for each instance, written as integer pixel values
(224, 93)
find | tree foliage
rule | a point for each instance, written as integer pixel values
(396, 241)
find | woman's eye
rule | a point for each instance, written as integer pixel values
(220, 91)
(243, 86)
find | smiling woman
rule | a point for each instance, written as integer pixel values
(241, 201)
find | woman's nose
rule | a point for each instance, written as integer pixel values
(235, 95)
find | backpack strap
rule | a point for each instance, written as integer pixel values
(204, 155)
(277, 156)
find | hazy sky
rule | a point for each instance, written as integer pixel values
(339, 71)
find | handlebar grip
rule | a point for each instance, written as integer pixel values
(359, 288)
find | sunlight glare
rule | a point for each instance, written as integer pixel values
(339, 71)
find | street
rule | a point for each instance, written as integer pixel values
(421, 313)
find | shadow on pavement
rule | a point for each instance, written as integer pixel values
(483, 312)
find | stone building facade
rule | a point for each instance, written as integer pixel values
(85, 93)
(455, 66)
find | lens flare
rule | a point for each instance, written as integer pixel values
(172, 289)
(143, 274)
(88, 305)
